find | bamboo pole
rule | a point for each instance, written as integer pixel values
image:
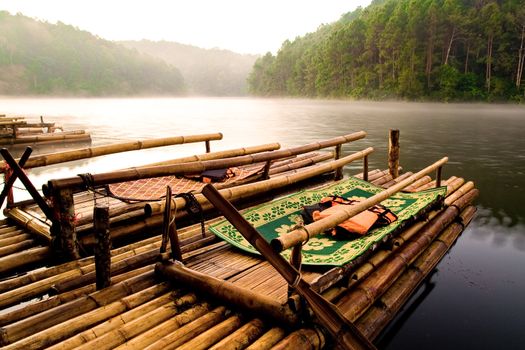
(17, 247)
(90, 152)
(393, 153)
(68, 327)
(21, 259)
(379, 315)
(129, 330)
(166, 328)
(227, 292)
(346, 212)
(120, 320)
(305, 339)
(58, 137)
(34, 308)
(242, 337)
(220, 154)
(355, 303)
(49, 318)
(196, 167)
(211, 336)
(268, 339)
(189, 331)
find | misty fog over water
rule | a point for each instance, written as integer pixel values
(474, 298)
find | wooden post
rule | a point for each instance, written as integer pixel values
(63, 228)
(365, 168)
(208, 147)
(169, 230)
(338, 171)
(103, 246)
(438, 176)
(393, 153)
(266, 171)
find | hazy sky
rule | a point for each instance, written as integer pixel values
(242, 26)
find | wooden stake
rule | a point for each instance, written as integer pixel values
(393, 153)
(339, 171)
(365, 168)
(102, 248)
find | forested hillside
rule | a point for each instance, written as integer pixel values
(213, 72)
(42, 58)
(413, 49)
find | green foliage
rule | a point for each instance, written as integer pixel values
(42, 58)
(411, 49)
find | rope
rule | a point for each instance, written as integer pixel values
(193, 207)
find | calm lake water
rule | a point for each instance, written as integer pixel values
(474, 299)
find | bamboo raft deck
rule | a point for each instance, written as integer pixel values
(48, 304)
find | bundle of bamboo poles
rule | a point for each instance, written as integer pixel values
(90, 152)
(76, 183)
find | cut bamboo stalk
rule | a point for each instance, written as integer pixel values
(242, 337)
(21, 259)
(460, 192)
(190, 330)
(63, 330)
(228, 292)
(30, 309)
(147, 321)
(220, 154)
(356, 302)
(117, 321)
(90, 152)
(268, 339)
(116, 267)
(165, 328)
(424, 180)
(21, 329)
(14, 239)
(195, 167)
(305, 339)
(211, 336)
(397, 179)
(17, 247)
(346, 212)
(300, 164)
(378, 316)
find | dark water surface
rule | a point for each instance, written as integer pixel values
(475, 299)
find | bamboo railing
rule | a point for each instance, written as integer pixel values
(76, 183)
(90, 152)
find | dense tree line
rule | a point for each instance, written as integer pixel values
(211, 72)
(413, 49)
(42, 58)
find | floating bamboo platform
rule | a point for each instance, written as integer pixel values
(213, 296)
(19, 131)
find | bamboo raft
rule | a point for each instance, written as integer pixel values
(205, 293)
(19, 131)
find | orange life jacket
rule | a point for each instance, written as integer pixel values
(360, 224)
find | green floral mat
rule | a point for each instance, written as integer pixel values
(278, 217)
